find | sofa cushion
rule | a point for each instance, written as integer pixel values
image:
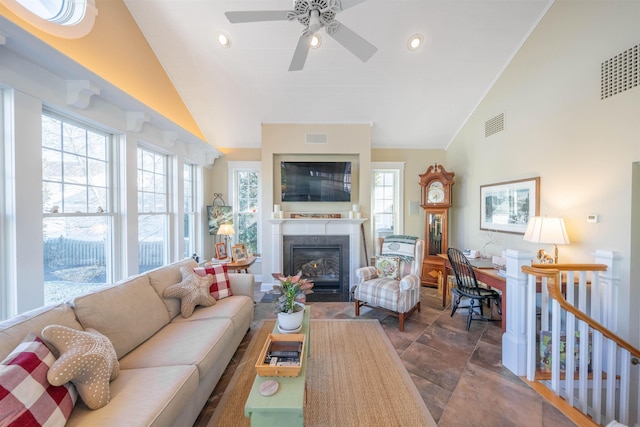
(26, 397)
(142, 397)
(13, 330)
(220, 288)
(239, 309)
(128, 313)
(193, 290)
(199, 343)
(87, 359)
(163, 277)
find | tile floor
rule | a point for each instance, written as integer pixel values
(458, 373)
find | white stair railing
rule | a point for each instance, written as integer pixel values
(597, 380)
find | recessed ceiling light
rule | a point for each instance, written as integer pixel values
(415, 42)
(224, 40)
(316, 41)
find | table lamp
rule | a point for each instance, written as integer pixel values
(226, 230)
(544, 229)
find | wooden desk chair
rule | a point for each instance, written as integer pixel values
(467, 286)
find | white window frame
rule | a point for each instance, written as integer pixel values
(397, 168)
(233, 168)
(168, 251)
(111, 208)
(195, 213)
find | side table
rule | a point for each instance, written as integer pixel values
(286, 407)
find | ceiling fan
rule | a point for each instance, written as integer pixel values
(314, 15)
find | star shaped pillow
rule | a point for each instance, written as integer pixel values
(87, 359)
(192, 291)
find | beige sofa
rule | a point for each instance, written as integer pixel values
(169, 365)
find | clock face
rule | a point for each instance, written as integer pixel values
(436, 193)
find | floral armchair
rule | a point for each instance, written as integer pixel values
(393, 284)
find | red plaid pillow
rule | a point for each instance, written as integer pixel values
(220, 287)
(26, 397)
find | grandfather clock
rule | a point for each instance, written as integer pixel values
(435, 199)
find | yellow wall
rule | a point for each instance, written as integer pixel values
(117, 51)
(558, 128)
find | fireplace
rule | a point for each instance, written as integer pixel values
(317, 233)
(324, 260)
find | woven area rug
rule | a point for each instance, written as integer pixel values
(354, 378)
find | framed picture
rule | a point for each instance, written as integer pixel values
(221, 250)
(507, 206)
(217, 216)
(239, 252)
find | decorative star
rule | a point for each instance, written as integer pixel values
(192, 291)
(87, 359)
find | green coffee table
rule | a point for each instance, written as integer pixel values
(286, 407)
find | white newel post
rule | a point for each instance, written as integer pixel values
(609, 288)
(514, 340)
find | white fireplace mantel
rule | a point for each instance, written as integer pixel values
(317, 227)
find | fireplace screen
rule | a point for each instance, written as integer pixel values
(323, 260)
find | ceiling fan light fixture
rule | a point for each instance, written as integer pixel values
(316, 41)
(415, 42)
(223, 39)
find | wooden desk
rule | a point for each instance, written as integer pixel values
(491, 278)
(242, 265)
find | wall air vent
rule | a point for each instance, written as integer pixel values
(316, 138)
(494, 125)
(620, 72)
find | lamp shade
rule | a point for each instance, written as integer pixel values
(226, 229)
(544, 229)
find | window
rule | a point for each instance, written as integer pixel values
(63, 12)
(78, 212)
(190, 210)
(245, 191)
(387, 198)
(70, 19)
(153, 209)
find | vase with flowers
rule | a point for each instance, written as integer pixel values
(290, 304)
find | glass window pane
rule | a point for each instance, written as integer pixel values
(51, 196)
(75, 255)
(51, 133)
(97, 146)
(97, 173)
(74, 168)
(75, 139)
(75, 198)
(151, 241)
(51, 165)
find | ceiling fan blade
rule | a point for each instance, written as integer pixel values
(353, 42)
(256, 16)
(300, 55)
(346, 4)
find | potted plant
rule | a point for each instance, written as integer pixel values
(289, 306)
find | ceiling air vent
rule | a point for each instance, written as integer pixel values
(316, 138)
(494, 125)
(620, 72)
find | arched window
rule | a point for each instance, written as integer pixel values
(62, 18)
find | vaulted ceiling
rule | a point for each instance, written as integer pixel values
(412, 99)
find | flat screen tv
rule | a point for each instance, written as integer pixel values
(316, 181)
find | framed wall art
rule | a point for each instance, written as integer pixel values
(218, 215)
(507, 206)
